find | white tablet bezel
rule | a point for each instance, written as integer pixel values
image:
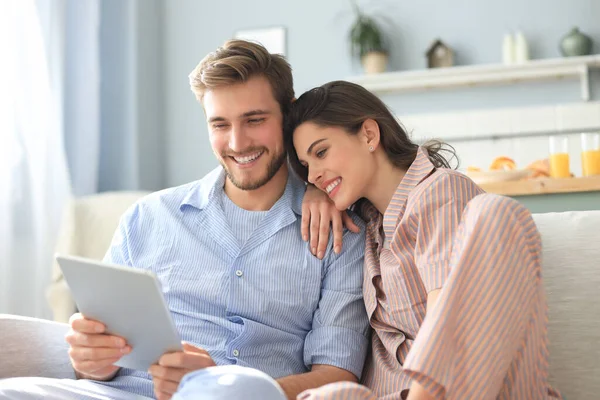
(129, 301)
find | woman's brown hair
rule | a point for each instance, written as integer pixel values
(348, 105)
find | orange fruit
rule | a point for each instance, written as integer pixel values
(503, 163)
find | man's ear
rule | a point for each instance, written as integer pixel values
(370, 133)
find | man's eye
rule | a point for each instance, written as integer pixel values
(219, 126)
(256, 120)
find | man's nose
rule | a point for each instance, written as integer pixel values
(238, 140)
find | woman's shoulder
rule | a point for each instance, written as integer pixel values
(444, 184)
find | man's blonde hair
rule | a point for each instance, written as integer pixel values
(236, 62)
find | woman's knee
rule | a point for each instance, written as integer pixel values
(495, 217)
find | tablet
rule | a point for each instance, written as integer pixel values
(129, 302)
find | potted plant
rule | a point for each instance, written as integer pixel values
(367, 42)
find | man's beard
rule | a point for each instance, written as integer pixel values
(272, 168)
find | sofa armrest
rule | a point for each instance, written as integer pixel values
(33, 347)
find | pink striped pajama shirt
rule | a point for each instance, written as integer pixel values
(486, 338)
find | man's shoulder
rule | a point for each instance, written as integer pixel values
(166, 198)
(173, 198)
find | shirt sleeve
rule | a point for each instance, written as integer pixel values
(339, 335)
(438, 211)
(118, 253)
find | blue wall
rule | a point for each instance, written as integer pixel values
(318, 52)
(132, 154)
(117, 146)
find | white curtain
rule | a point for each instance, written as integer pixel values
(34, 181)
(71, 32)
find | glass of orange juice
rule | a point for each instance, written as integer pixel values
(590, 154)
(559, 157)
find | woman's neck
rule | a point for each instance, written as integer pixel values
(385, 183)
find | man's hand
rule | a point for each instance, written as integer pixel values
(318, 213)
(92, 351)
(171, 368)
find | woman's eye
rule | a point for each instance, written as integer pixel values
(321, 153)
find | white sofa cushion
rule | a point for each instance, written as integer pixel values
(571, 272)
(87, 229)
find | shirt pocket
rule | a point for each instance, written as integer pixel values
(290, 286)
(197, 288)
(197, 281)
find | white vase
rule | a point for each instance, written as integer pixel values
(508, 49)
(521, 49)
(374, 62)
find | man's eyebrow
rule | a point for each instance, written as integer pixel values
(215, 119)
(316, 142)
(254, 112)
(244, 115)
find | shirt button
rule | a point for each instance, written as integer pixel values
(239, 273)
(236, 353)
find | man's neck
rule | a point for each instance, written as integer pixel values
(261, 199)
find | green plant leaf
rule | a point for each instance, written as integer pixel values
(365, 35)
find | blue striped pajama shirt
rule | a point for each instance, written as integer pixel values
(268, 303)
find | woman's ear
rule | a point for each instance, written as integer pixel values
(370, 134)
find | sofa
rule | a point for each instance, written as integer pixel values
(87, 228)
(571, 268)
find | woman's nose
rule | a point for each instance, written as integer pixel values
(314, 176)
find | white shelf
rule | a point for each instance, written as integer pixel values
(482, 75)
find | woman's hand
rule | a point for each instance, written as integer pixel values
(318, 214)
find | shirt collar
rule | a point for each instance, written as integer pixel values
(294, 192)
(420, 169)
(204, 191)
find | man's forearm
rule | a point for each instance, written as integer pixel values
(320, 375)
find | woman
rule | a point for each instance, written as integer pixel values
(452, 275)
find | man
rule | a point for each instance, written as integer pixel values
(241, 284)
